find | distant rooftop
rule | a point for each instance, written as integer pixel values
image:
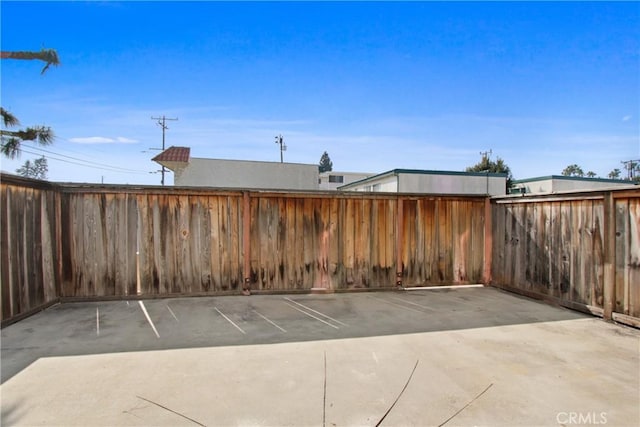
(423, 172)
(571, 178)
(174, 154)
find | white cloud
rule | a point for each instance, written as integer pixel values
(626, 118)
(102, 140)
(123, 140)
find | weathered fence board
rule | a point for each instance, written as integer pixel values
(443, 241)
(83, 241)
(555, 247)
(28, 251)
(627, 286)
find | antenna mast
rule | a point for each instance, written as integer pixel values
(486, 154)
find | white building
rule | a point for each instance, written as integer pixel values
(332, 180)
(198, 172)
(432, 182)
(559, 183)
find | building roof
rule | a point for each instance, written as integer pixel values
(174, 154)
(421, 172)
(571, 178)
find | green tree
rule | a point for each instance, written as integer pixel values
(614, 174)
(591, 174)
(326, 165)
(36, 170)
(633, 170)
(573, 170)
(489, 166)
(12, 139)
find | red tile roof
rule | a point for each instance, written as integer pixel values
(174, 154)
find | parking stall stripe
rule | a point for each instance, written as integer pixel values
(396, 304)
(311, 315)
(273, 323)
(230, 321)
(435, 288)
(412, 303)
(172, 313)
(317, 312)
(144, 310)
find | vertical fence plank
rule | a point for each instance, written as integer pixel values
(622, 244)
(633, 263)
(83, 243)
(381, 235)
(335, 243)
(410, 246)
(391, 252)
(597, 287)
(6, 279)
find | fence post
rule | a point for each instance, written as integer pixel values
(609, 292)
(399, 241)
(246, 242)
(488, 241)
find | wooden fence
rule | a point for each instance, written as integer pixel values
(62, 241)
(580, 250)
(86, 241)
(29, 247)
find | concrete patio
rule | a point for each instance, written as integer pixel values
(475, 356)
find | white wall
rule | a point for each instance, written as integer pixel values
(347, 178)
(435, 183)
(385, 184)
(551, 185)
(247, 174)
(569, 185)
(452, 184)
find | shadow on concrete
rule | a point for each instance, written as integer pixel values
(125, 326)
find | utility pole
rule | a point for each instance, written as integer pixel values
(283, 147)
(162, 123)
(631, 166)
(485, 159)
(486, 154)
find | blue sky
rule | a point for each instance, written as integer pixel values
(379, 86)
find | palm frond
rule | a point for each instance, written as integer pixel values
(50, 56)
(8, 118)
(11, 140)
(10, 147)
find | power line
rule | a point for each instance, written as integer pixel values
(83, 160)
(107, 168)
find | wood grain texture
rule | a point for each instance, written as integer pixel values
(101, 241)
(574, 249)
